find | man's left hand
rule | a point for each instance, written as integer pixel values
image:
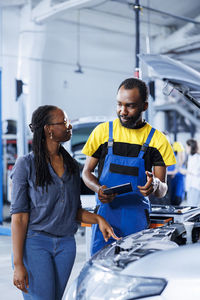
(148, 188)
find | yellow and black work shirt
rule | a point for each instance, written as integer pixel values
(128, 142)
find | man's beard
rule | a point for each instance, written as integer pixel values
(131, 122)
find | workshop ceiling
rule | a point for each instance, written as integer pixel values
(175, 19)
(122, 8)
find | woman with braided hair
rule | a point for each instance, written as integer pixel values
(45, 209)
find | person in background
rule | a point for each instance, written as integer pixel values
(45, 209)
(176, 179)
(192, 173)
(127, 150)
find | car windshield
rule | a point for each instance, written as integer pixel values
(80, 134)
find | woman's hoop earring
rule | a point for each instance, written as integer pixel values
(51, 135)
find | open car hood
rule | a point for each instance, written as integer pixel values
(183, 78)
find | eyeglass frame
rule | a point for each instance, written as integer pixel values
(60, 123)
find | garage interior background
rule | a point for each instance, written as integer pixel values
(75, 53)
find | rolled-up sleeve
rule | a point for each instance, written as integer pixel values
(19, 195)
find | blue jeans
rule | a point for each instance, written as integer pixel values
(49, 261)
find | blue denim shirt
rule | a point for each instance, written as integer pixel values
(54, 211)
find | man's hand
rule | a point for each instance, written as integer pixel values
(103, 197)
(20, 278)
(106, 229)
(148, 188)
(154, 185)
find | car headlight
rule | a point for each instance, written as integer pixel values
(100, 283)
(71, 293)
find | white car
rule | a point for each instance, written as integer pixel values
(81, 129)
(147, 265)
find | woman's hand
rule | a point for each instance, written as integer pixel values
(106, 229)
(20, 278)
(92, 218)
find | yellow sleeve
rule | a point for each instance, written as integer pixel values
(178, 147)
(98, 137)
(165, 149)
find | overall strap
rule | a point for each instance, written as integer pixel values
(110, 140)
(146, 144)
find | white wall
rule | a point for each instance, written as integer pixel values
(45, 56)
(9, 60)
(104, 67)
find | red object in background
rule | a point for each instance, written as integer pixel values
(160, 221)
(137, 73)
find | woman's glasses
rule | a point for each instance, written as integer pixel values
(66, 123)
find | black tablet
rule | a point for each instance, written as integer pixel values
(119, 189)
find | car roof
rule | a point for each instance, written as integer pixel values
(90, 120)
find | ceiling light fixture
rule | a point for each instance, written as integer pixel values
(78, 64)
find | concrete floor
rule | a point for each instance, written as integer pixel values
(7, 290)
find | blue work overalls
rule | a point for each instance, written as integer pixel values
(127, 213)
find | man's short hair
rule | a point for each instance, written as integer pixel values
(131, 83)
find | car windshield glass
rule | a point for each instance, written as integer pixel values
(81, 134)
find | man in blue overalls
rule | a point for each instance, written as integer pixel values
(126, 150)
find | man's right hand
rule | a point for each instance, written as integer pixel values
(103, 197)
